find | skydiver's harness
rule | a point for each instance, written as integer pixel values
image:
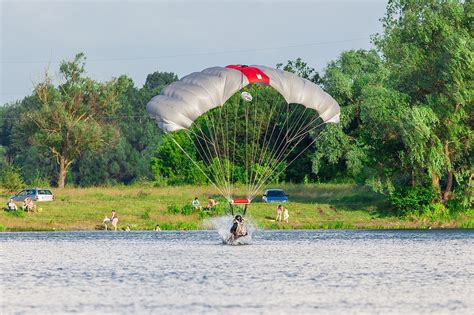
(238, 229)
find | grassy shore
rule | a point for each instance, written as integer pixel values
(324, 206)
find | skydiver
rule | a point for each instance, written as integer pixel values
(238, 228)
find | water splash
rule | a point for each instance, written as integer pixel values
(223, 224)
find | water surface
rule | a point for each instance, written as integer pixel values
(281, 272)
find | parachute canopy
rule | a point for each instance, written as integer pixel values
(182, 102)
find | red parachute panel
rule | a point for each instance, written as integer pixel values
(253, 74)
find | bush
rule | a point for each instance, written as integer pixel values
(436, 212)
(460, 203)
(187, 210)
(40, 182)
(173, 209)
(412, 200)
(18, 213)
(11, 180)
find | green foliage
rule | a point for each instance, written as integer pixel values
(11, 180)
(436, 212)
(2, 228)
(39, 181)
(159, 80)
(428, 48)
(72, 118)
(173, 161)
(187, 209)
(19, 213)
(300, 68)
(413, 200)
(146, 214)
(173, 209)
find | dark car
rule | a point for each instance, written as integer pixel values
(274, 195)
(36, 194)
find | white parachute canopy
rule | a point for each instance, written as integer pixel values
(267, 146)
(182, 102)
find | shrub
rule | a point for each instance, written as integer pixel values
(187, 209)
(2, 228)
(412, 200)
(11, 180)
(173, 209)
(18, 213)
(40, 181)
(436, 212)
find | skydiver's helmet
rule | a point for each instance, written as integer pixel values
(239, 218)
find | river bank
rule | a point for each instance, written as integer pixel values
(314, 206)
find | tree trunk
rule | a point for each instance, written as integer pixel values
(449, 182)
(62, 172)
(435, 183)
(413, 178)
(449, 185)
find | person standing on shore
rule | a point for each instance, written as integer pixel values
(114, 219)
(279, 213)
(285, 215)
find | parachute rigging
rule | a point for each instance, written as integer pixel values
(250, 139)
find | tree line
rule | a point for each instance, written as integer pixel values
(406, 119)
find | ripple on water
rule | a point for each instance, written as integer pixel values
(280, 272)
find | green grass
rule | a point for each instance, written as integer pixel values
(315, 206)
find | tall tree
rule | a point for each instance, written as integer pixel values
(429, 49)
(75, 116)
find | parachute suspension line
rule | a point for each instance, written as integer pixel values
(215, 136)
(281, 160)
(207, 156)
(223, 149)
(297, 156)
(236, 112)
(212, 143)
(266, 142)
(277, 159)
(255, 144)
(262, 149)
(247, 162)
(278, 155)
(217, 122)
(215, 180)
(227, 155)
(197, 165)
(271, 155)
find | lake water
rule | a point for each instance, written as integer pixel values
(280, 272)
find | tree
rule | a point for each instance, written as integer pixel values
(301, 69)
(428, 48)
(159, 79)
(365, 144)
(74, 117)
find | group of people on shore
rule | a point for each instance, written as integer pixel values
(211, 203)
(237, 229)
(28, 205)
(114, 221)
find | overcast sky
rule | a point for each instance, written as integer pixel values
(139, 37)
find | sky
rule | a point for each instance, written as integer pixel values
(137, 38)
